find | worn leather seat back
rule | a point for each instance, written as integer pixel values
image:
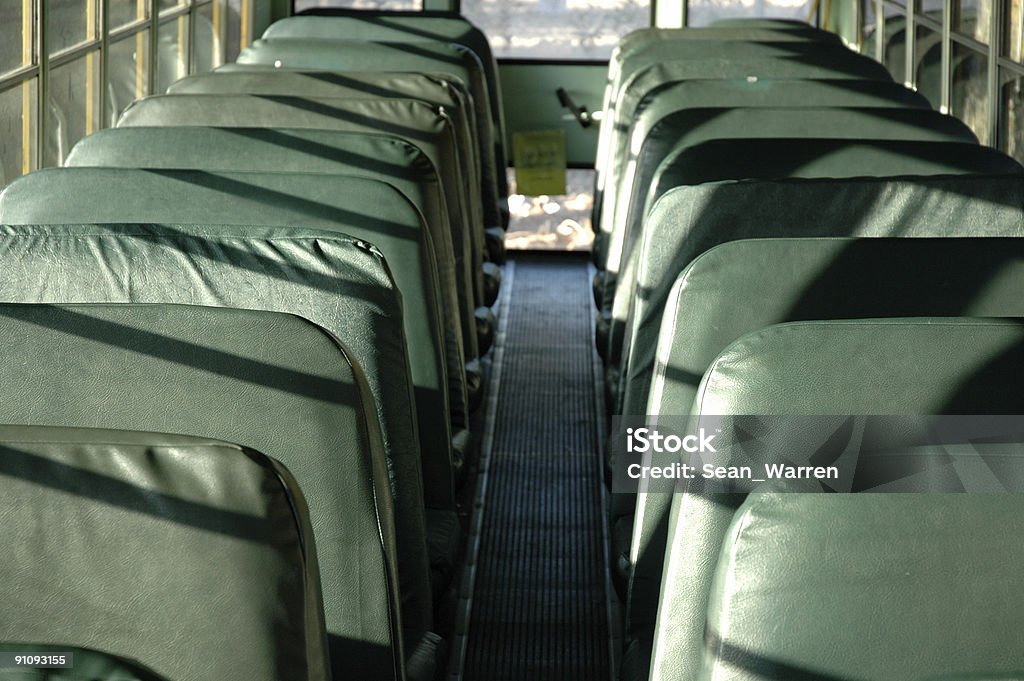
(680, 228)
(731, 290)
(285, 150)
(326, 202)
(898, 366)
(411, 120)
(208, 372)
(337, 282)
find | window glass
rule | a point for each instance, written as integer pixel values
(166, 5)
(928, 64)
(703, 12)
(206, 52)
(557, 29)
(172, 55)
(970, 89)
(17, 130)
(552, 223)
(1012, 125)
(239, 11)
(127, 72)
(123, 12)
(12, 26)
(1015, 31)
(869, 28)
(971, 18)
(72, 108)
(359, 4)
(894, 45)
(67, 23)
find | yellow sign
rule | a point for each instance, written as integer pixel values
(540, 162)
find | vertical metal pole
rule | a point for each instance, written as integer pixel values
(43, 88)
(154, 45)
(28, 42)
(910, 53)
(995, 49)
(946, 67)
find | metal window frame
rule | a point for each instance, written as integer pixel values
(99, 39)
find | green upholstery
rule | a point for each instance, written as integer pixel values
(414, 121)
(399, 27)
(653, 64)
(332, 280)
(923, 366)
(433, 89)
(289, 200)
(741, 286)
(878, 586)
(423, 57)
(89, 665)
(808, 214)
(146, 545)
(692, 126)
(286, 150)
(666, 99)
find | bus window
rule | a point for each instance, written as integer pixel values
(704, 12)
(556, 29)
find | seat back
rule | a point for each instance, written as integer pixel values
(690, 127)
(339, 283)
(922, 366)
(210, 373)
(323, 202)
(810, 214)
(414, 121)
(399, 27)
(742, 92)
(732, 290)
(433, 89)
(285, 150)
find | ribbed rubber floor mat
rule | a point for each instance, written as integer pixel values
(539, 607)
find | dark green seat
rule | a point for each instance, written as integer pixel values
(889, 367)
(391, 26)
(879, 586)
(422, 57)
(433, 89)
(146, 545)
(653, 65)
(674, 96)
(809, 214)
(332, 280)
(304, 151)
(411, 120)
(742, 286)
(289, 200)
(684, 129)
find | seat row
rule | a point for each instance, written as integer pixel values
(296, 253)
(740, 170)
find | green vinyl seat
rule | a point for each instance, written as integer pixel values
(922, 366)
(411, 120)
(127, 542)
(284, 150)
(741, 286)
(652, 110)
(689, 127)
(433, 89)
(919, 580)
(765, 159)
(397, 27)
(334, 54)
(322, 202)
(337, 282)
(653, 65)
